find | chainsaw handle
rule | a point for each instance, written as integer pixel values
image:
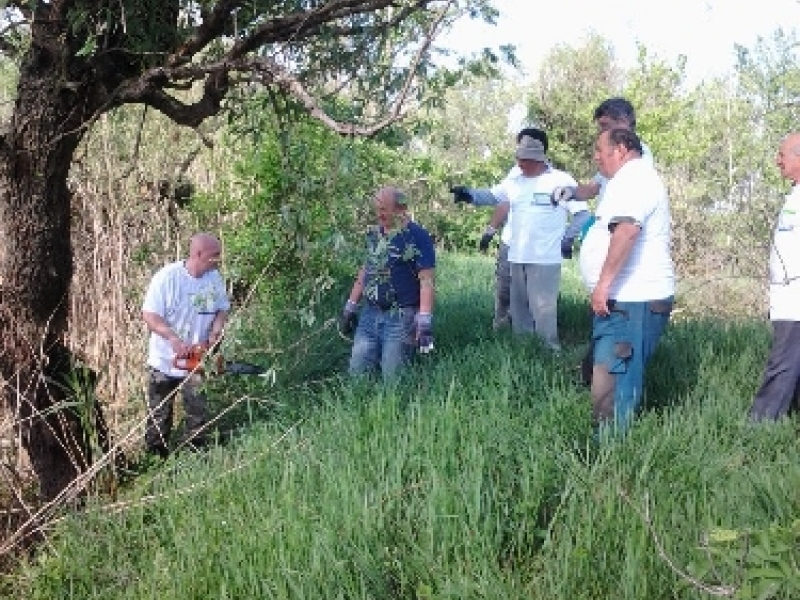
(193, 360)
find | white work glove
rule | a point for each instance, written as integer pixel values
(562, 193)
(424, 323)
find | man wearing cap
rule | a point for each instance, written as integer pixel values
(396, 282)
(537, 227)
(486, 197)
(626, 265)
(780, 386)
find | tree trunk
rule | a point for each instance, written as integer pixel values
(36, 268)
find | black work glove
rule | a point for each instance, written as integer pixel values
(424, 332)
(486, 239)
(461, 194)
(566, 248)
(348, 320)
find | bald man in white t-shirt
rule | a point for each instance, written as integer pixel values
(780, 387)
(185, 305)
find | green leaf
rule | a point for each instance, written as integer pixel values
(89, 48)
(723, 536)
(770, 573)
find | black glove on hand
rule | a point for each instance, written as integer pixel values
(561, 194)
(566, 248)
(424, 332)
(460, 194)
(486, 239)
(348, 320)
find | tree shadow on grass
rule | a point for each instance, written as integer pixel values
(675, 370)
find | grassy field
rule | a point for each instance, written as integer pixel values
(474, 476)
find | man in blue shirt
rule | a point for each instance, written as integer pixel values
(396, 282)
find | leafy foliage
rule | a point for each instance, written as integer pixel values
(572, 82)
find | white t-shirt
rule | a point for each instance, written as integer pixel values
(497, 192)
(784, 262)
(188, 305)
(636, 192)
(536, 225)
(601, 180)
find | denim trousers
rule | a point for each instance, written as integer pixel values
(623, 343)
(385, 340)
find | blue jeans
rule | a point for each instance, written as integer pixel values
(623, 343)
(385, 340)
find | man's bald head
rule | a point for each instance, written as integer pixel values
(201, 241)
(205, 253)
(392, 195)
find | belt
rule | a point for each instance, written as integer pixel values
(386, 308)
(656, 306)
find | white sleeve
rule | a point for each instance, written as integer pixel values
(155, 297)
(632, 200)
(501, 191)
(576, 206)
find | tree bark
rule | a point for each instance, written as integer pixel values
(36, 268)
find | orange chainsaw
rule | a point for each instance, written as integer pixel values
(194, 362)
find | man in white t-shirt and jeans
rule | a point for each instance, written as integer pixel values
(626, 264)
(538, 227)
(780, 387)
(611, 113)
(185, 304)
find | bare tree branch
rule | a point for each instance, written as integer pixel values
(212, 27)
(299, 26)
(724, 591)
(149, 88)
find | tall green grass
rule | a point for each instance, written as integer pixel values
(474, 475)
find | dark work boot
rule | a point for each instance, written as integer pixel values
(158, 450)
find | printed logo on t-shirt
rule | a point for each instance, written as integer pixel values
(787, 220)
(540, 199)
(205, 301)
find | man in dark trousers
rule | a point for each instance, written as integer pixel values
(780, 392)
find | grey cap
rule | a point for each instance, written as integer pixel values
(531, 149)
